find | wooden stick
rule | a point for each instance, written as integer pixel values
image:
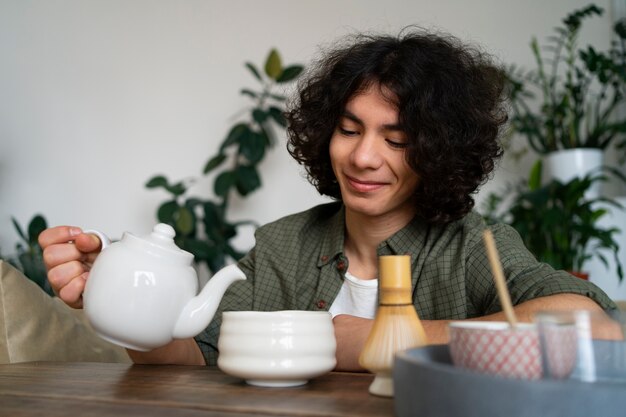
(498, 275)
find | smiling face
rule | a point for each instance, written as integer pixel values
(367, 152)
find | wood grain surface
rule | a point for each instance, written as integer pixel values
(100, 389)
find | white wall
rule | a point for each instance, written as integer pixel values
(97, 96)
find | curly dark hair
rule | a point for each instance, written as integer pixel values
(449, 97)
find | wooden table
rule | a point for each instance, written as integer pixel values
(98, 389)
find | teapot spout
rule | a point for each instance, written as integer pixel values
(199, 311)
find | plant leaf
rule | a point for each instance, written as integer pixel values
(157, 181)
(234, 135)
(165, 212)
(252, 147)
(216, 262)
(273, 65)
(177, 189)
(35, 227)
(212, 214)
(201, 249)
(534, 179)
(213, 163)
(259, 115)
(214, 223)
(278, 116)
(248, 92)
(19, 230)
(254, 70)
(290, 73)
(160, 181)
(184, 221)
(223, 183)
(248, 179)
(620, 28)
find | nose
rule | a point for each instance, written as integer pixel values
(366, 152)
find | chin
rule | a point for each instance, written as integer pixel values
(364, 208)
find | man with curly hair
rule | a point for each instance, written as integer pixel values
(400, 131)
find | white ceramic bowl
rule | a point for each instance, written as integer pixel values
(278, 348)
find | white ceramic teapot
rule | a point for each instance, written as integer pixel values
(143, 292)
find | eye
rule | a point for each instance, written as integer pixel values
(347, 132)
(398, 144)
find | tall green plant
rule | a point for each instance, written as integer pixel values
(201, 225)
(558, 223)
(570, 99)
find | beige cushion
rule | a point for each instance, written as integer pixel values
(37, 327)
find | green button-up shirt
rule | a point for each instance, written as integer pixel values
(298, 264)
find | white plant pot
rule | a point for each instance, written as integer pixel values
(568, 164)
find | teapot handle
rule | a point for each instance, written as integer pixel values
(104, 239)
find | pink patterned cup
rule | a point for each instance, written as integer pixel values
(497, 349)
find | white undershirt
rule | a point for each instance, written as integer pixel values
(357, 297)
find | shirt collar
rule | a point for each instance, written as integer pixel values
(332, 241)
(403, 242)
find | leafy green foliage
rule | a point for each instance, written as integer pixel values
(558, 224)
(570, 99)
(201, 225)
(28, 256)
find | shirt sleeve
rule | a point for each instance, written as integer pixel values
(526, 277)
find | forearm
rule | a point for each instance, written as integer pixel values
(437, 330)
(178, 352)
(526, 311)
(352, 332)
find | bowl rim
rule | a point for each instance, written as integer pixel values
(489, 325)
(279, 314)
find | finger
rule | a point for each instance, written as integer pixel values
(82, 250)
(61, 275)
(59, 234)
(72, 293)
(89, 258)
(87, 243)
(60, 253)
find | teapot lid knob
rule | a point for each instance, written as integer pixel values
(160, 242)
(162, 236)
(164, 231)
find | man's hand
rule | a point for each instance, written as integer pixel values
(68, 254)
(351, 333)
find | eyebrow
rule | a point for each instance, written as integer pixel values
(392, 126)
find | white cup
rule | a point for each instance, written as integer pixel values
(583, 345)
(278, 348)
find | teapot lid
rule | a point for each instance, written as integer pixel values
(162, 237)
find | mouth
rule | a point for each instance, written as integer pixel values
(364, 186)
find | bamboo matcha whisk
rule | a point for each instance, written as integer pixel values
(396, 325)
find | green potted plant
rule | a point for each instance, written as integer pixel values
(566, 107)
(557, 222)
(201, 224)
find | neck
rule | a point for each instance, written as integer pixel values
(363, 235)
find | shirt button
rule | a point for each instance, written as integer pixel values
(321, 304)
(324, 258)
(341, 265)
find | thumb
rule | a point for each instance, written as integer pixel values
(88, 242)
